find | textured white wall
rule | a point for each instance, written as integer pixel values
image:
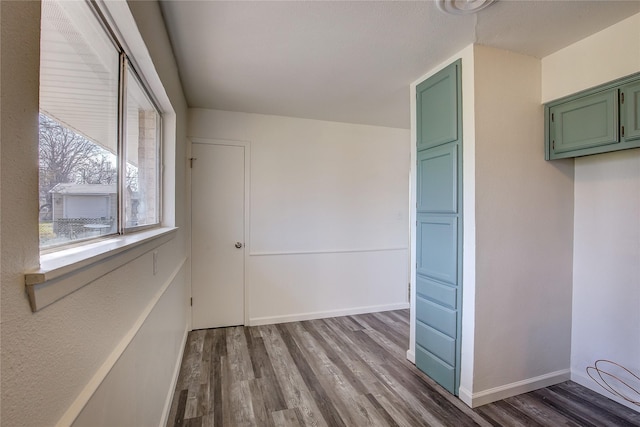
(606, 271)
(606, 289)
(49, 357)
(137, 388)
(607, 55)
(328, 213)
(524, 211)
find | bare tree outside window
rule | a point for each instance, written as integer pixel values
(67, 157)
(77, 186)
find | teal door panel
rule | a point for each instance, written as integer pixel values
(441, 345)
(445, 295)
(438, 255)
(436, 108)
(438, 227)
(587, 122)
(630, 113)
(438, 165)
(438, 317)
(441, 372)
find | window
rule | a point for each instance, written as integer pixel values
(99, 140)
(141, 156)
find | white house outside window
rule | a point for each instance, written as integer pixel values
(99, 144)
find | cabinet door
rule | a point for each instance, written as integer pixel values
(438, 314)
(578, 127)
(630, 114)
(436, 109)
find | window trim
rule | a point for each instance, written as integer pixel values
(127, 67)
(65, 271)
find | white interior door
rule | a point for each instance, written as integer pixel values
(217, 248)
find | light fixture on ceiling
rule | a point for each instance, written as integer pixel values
(463, 7)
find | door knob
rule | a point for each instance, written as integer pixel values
(238, 245)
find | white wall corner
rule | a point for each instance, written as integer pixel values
(584, 380)
(411, 356)
(508, 390)
(466, 396)
(412, 218)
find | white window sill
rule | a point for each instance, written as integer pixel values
(66, 271)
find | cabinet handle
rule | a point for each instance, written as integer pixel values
(622, 131)
(553, 144)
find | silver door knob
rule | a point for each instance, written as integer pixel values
(238, 245)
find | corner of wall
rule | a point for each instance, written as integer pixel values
(523, 233)
(494, 394)
(584, 380)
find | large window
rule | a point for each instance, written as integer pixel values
(99, 144)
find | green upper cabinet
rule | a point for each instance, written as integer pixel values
(598, 120)
(630, 112)
(436, 109)
(584, 123)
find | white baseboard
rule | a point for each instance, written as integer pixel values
(411, 356)
(174, 380)
(584, 380)
(257, 321)
(508, 390)
(465, 396)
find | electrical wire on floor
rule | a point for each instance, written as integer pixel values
(605, 375)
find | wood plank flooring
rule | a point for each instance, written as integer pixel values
(349, 371)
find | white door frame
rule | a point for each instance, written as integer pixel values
(247, 209)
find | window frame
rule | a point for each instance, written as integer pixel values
(61, 271)
(126, 65)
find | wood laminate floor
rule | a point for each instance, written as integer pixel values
(349, 371)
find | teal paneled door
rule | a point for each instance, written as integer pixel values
(438, 227)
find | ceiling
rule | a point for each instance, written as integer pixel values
(352, 61)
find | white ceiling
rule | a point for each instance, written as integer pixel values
(352, 61)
